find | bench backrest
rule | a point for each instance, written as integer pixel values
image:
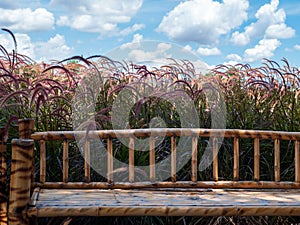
(172, 135)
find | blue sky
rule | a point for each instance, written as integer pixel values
(217, 32)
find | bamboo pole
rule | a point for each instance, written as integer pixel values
(277, 160)
(297, 162)
(42, 161)
(215, 159)
(87, 161)
(173, 159)
(109, 161)
(152, 158)
(65, 161)
(20, 182)
(194, 158)
(131, 159)
(3, 179)
(168, 132)
(236, 159)
(188, 185)
(256, 159)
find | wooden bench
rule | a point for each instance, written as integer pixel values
(172, 197)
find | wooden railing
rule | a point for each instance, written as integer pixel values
(195, 134)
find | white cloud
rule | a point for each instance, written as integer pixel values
(26, 19)
(137, 38)
(209, 51)
(234, 57)
(25, 46)
(264, 49)
(203, 21)
(99, 16)
(54, 49)
(269, 21)
(158, 54)
(134, 28)
(280, 31)
(297, 47)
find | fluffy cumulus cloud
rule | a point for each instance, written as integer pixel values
(136, 42)
(270, 23)
(24, 44)
(209, 51)
(99, 16)
(26, 19)
(53, 49)
(264, 49)
(297, 47)
(203, 21)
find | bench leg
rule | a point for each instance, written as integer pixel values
(20, 181)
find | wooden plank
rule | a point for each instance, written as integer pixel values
(277, 160)
(236, 159)
(297, 161)
(215, 159)
(152, 158)
(256, 159)
(97, 202)
(43, 155)
(65, 161)
(131, 159)
(110, 166)
(173, 158)
(194, 158)
(87, 161)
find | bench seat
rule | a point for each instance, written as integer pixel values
(164, 202)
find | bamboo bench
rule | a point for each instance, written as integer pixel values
(194, 197)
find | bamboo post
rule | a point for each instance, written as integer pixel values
(26, 128)
(3, 179)
(215, 159)
(65, 161)
(152, 158)
(42, 161)
(20, 181)
(277, 160)
(110, 166)
(194, 158)
(87, 161)
(297, 162)
(131, 159)
(256, 159)
(236, 159)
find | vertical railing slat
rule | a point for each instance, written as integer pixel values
(110, 166)
(87, 161)
(43, 161)
(297, 162)
(277, 160)
(131, 159)
(173, 158)
(194, 158)
(65, 161)
(236, 159)
(152, 158)
(215, 159)
(256, 159)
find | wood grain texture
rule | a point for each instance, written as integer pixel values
(20, 183)
(214, 202)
